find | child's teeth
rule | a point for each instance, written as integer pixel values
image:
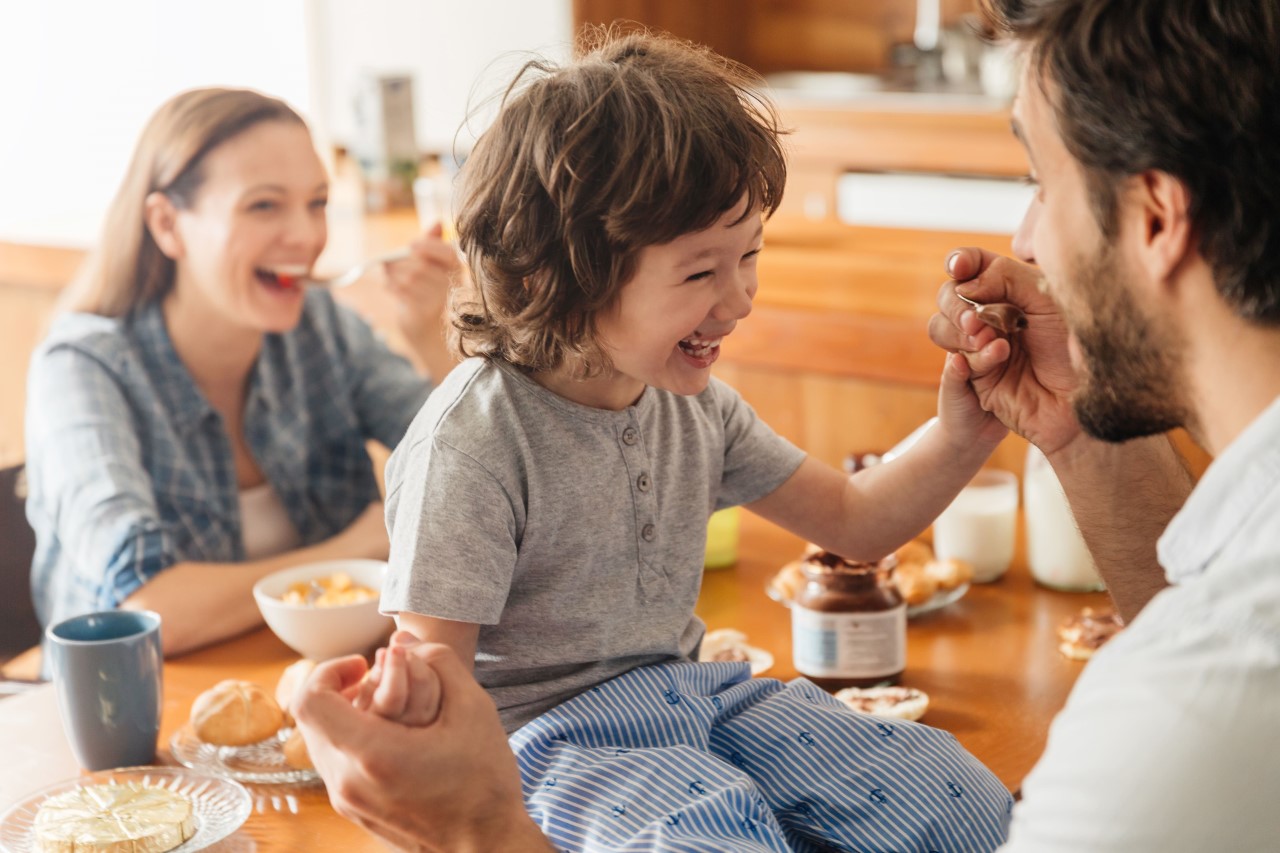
(699, 347)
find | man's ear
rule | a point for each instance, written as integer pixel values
(1161, 206)
(161, 217)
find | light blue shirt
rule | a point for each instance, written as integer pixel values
(1169, 739)
(130, 469)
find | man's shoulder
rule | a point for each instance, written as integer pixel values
(1225, 622)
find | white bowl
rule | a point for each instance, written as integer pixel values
(321, 633)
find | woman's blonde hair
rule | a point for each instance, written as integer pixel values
(127, 268)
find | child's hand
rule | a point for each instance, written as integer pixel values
(401, 686)
(960, 414)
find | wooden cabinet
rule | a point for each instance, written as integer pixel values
(31, 278)
(780, 35)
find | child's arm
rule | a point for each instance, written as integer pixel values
(462, 637)
(867, 516)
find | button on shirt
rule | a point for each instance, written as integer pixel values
(1168, 741)
(130, 468)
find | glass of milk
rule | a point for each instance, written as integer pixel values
(979, 525)
(1056, 552)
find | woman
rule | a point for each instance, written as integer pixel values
(197, 420)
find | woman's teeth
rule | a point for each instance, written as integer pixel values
(699, 347)
(284, 276)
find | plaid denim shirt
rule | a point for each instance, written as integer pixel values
(130, 468)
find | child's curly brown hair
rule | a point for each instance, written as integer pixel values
(641, 139)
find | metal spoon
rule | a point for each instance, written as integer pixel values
(314, 592)
(1001, 316)
(356, 272)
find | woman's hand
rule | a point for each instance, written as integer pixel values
(420, 283)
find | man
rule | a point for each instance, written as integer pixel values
(1151, 128)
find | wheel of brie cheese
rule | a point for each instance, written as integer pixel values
(114, 818)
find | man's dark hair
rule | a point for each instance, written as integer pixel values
(1187, 87)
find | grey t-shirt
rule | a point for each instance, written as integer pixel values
(574, 536)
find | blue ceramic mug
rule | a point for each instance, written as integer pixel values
(108, 671)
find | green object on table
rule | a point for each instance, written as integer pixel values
(722, 539)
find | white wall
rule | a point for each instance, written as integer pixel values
(79, 78)
(449, 46)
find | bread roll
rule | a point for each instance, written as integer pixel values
(949, 573)
(789, 579)
(235, 713)
(916, 586)
(289, 685)
(295, 752)
(914, 551)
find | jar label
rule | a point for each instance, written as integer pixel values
(849, 645)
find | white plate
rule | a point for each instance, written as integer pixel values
(220, 805)
(760, 660)
(939, 599)
(261, 763)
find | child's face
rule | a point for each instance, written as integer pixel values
(667, 324)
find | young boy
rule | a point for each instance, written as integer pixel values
(548, 508)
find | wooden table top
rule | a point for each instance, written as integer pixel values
(988, 661)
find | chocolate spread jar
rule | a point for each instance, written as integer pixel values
(849, 623)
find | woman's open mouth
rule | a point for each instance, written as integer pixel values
(286, 277)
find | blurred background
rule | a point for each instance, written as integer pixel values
(899, 150)
(78, 78)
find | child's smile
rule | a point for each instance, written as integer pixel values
(703, 352)
(670, 319)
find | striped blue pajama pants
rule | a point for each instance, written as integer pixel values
(700, 757)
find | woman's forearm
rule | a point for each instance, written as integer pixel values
(203, 603)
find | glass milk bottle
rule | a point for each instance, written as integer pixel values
(1056, 551)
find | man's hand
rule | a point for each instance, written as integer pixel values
(452, 785)
(1025, 380)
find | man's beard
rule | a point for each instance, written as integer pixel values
(1130, 384)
